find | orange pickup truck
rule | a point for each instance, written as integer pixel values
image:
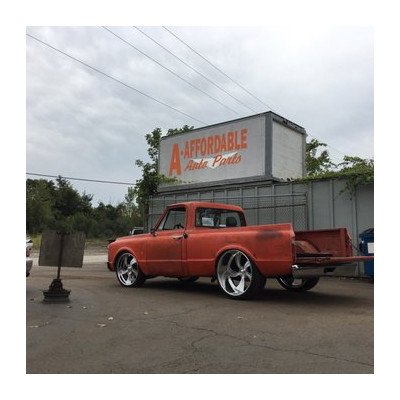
(198, 239)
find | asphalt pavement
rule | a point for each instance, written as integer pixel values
(173, 327)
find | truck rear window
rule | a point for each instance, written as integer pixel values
(218, 218)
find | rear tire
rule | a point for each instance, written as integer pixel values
(237, 276)
(128, 271)
(297, 285)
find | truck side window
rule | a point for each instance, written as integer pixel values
(175, 219)
(218, 218)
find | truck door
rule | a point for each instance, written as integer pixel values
(164, 247)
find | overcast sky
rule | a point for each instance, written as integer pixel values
(83, 124)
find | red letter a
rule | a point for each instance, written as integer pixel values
(175, 160)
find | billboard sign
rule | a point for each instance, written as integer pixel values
(232, 150)
(262, 145)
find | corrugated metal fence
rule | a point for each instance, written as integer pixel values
(312, 205)
(259, 210)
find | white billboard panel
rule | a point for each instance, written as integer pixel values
(287, 152)
(232, 150)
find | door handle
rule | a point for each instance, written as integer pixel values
(184, 236)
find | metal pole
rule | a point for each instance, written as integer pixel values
(60, 253)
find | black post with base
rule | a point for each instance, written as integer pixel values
(56, 292)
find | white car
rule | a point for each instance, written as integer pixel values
(29, 261)
(136, 231)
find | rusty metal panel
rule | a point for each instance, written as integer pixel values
(66, 250)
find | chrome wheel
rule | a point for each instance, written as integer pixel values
(235, 273)
(128, 271)
(297, 284)
(292, 283)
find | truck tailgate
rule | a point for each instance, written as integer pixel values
(319, 252)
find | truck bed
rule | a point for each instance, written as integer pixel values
(319, 252)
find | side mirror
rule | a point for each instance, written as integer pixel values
(153, 231)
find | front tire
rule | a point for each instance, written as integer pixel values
(237, 276)
(128, 271)
(297, 285)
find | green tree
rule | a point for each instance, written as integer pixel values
(56, 206)
(40, 203)
(110, 221)
(131, 209)
(147, 185)
(69, 201)
(317, 161)
(356, 170)
(60, 206)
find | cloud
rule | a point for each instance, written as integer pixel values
(82, 124)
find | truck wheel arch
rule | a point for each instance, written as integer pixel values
(234, 247)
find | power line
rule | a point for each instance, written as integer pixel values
(218, 69)
(116, 80)
(195, 70)
(328, 145)
(81, 179)
(222, 72)
(238, 84)
(144, 94)
(169, 70)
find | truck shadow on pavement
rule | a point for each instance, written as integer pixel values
(272, 293)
